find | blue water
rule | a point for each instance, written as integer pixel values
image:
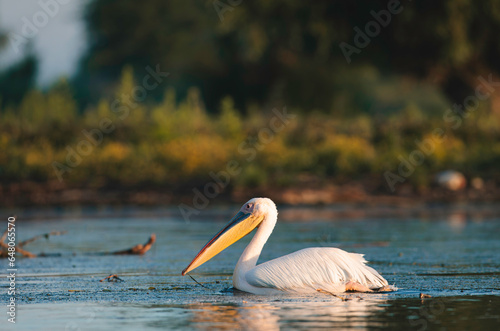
(449, 254)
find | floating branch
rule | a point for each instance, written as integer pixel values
(45, 235)
(139, 249)
(112, 278)
(20, 245)
(4, 252)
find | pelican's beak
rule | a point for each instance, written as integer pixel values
(241, 225)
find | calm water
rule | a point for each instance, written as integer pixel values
(451, 254)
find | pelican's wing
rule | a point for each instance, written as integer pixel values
(315, 268)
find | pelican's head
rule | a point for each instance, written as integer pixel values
(251, 215)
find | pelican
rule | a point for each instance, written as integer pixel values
(310, 270)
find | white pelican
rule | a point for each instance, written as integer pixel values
(309, 270)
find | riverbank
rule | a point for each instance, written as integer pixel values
(58, 194)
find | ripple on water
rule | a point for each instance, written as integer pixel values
(457, 267)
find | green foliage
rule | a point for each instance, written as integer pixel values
(178, 144)
(229, 124)
(17, 80)
(260, 51)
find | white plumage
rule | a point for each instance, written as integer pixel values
(306, 271)
(312, 269)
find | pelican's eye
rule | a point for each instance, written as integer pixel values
(249, 206)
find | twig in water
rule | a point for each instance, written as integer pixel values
(112, 278)
(45, 235)
(198, 283)
(138, 249)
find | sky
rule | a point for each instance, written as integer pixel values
(55, 30)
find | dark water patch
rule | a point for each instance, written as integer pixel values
(443, 274)
(448, 313)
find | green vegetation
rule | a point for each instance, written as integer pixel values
(290, 50)
(174, 145)
(365, 102)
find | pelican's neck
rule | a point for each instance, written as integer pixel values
(248, 259)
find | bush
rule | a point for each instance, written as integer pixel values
(178, 144)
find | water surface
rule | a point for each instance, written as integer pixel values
(450, 254)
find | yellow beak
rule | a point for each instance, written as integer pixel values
(241, 225)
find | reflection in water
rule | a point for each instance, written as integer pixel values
(252, 317)
(457, 221)
(357, 313)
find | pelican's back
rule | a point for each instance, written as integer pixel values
(310, 269)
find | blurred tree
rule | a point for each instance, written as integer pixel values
(17, 80)
(3, 40)
(290, 51)
(450, 43)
